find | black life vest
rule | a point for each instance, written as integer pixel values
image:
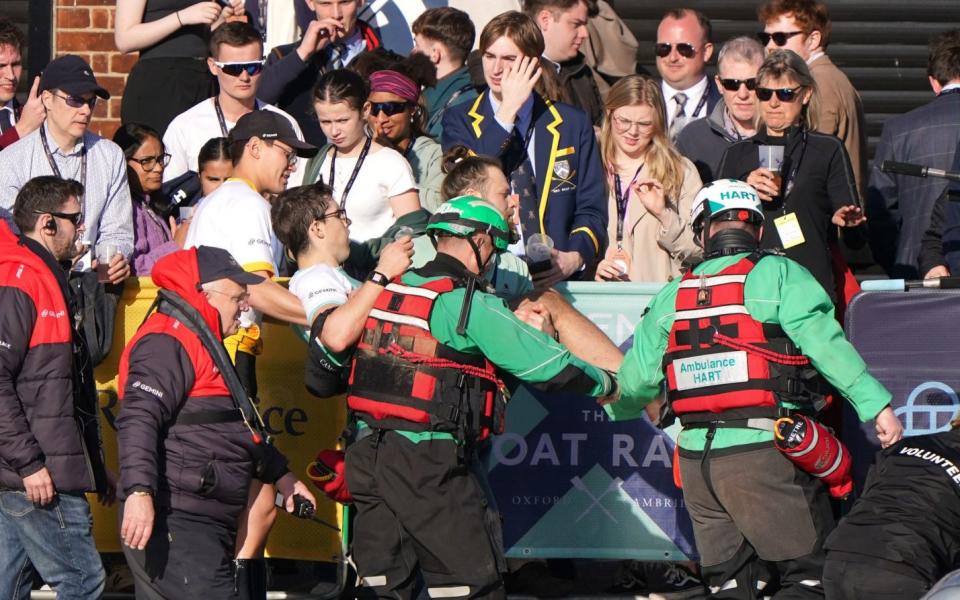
(402, 377)
(723, 365)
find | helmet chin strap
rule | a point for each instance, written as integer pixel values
(730, 241)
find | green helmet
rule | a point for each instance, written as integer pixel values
(465, 215)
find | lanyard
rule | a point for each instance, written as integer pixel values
(703, 100)
(622, 202)
(220, 117)
(353, 176)
(792, 174)
(406, 153)
(56, 169)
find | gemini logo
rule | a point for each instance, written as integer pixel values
(929, 409)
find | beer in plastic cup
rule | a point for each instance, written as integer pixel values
(538, 250)
(105, 253)
(771, 158)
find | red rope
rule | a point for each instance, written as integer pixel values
(442, 363)
(783, 359)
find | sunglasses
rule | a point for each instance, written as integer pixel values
(779, 38)
(74, 218)
(733, 85)
(389, 108)
(234, 69)
(783, 94)
(147, 163)
(77, 101)
(683, 49)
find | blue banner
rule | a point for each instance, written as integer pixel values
(571, 483)
(909, 341)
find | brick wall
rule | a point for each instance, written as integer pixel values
(85, 28)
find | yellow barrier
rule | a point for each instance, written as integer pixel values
(300, 424)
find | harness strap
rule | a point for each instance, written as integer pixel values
(738, 416)
(209, 417)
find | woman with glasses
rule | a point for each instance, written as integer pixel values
(372, 183)
(651, 188)
(153, 238)
(812, 187)
(398, 119)
(171, 36)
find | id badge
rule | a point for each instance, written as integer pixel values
(788, 228)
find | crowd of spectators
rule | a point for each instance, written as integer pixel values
(538, 108)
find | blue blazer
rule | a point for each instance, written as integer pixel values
(569, 177)
(898, 206)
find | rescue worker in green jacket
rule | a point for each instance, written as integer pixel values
(425, 385)
(744, 338)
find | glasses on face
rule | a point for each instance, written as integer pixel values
(74, 217)
(390, 108)
(783, 94)
(733, 85)
(241, 299)
(624, 125)
(290, 155)
(779, 37)
(683, 49)
(234, 69)
(147, 163)
(77, 101)
(337, 214)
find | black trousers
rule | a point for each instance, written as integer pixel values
(851, 580)
(753, 512)
(420, 506)
(188, 556)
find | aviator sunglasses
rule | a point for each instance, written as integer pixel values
(390, 108)
(683, 49)
(234, 69)
(783, 94)
(779, 37)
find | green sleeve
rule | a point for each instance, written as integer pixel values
(641, 375)
(807, 317)
(513, 346)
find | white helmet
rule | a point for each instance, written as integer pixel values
(719, 198)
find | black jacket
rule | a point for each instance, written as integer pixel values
(818, 177)
(909, 511)
(48, 410)
(577, 82)
(166, 377)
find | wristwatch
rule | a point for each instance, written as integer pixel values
(378, 278)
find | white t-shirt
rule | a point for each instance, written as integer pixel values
(385, 173)
(237, 218)
(321, 285)
(194, 127)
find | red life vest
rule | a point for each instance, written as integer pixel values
(402, 377)
(722, 364)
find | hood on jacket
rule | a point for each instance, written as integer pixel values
(179, 272)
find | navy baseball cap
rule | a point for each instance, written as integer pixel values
(73, 75)
(269, 125)
(216, 263)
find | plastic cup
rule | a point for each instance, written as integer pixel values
(105, 253)
(403, 232)
(538, 250)
(186, 212)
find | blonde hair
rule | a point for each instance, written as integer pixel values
(662, 161)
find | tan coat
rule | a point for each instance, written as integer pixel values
(658, 252)
(840, 113)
